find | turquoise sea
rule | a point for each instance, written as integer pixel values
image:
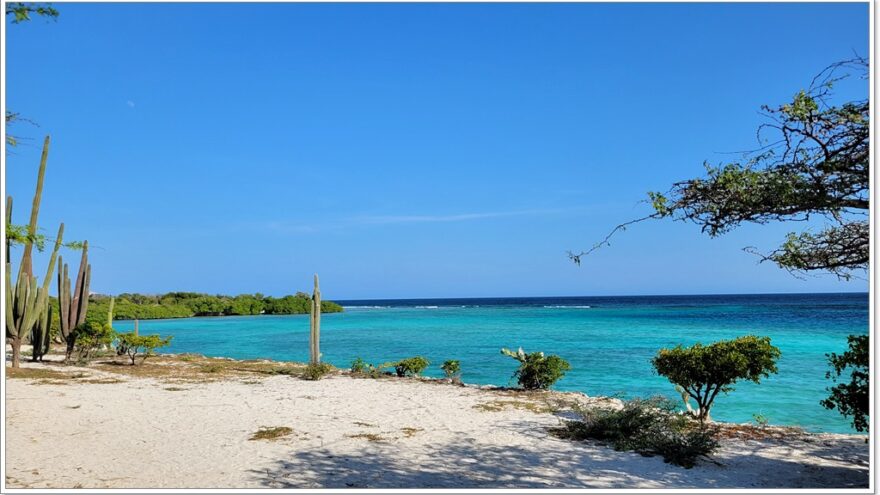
(608, 340)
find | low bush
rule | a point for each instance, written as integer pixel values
(90, 337)
(144, 345)
(411, 366)
(537, 371)
(359, 366)
(647, 426)
(316, 371)
(451, 367)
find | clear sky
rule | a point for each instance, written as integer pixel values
(432, 150)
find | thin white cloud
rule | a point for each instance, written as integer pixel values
(129, 103)
(375, 220)
(459, 217)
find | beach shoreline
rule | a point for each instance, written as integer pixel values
(186, 421)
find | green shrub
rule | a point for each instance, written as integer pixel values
(648, 426)
(537, 371)
(145, 345)
(451, 367)
(316, 371)
(704, 371)
(90, 337)
(359, 366)
(411, 366)
(851, 398)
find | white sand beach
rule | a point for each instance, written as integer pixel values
(188, 424)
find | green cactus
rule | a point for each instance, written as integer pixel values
(8, 222)
(73, 311)
(40, 336)
(315, 326)
(110, 312)
(27, 304)
(26, 259)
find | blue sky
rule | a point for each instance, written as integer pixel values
(431, 150)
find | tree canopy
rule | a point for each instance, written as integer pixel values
(851, 397)
(705, 371)
(22, 11)
(812, 162)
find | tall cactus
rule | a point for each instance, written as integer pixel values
(110, 312)
(26, 259)
(27, 303)
(40, 336)
(315, 324)
(73, 311)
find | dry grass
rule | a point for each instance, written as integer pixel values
(752, 432)
(190, 368)
(525, 405)
(366, 425)
(170, 369)
(370, 437)
(40, 374)
(271, 433)
(410, 432)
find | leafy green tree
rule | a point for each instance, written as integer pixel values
(144, 345)
(705, 371)
(851, 398)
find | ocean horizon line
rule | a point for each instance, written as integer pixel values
(459, 298)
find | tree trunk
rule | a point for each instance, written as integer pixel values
(71, 342)
(16, 351)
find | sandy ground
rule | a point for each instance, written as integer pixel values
(106, 430)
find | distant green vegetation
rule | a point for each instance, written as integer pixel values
(187, 304)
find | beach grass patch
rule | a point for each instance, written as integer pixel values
(524, 405)
(370, 437)
(409, 431)
(39, 374)
(365, 425)
(271, 433)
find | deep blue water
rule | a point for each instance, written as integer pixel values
(609, 341)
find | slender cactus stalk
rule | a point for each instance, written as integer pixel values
(73, 310)
(26, 260)
(8, 222)
(110, 312)
(315, 324)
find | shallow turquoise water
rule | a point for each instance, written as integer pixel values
(609, 341)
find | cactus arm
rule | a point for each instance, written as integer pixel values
(10, 317)
(35, 211)
(84, 300)
(8, 222)
(63, 296)
(73, 316)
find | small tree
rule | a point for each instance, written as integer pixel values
(705, 371)
(852, 398)
(537, 371)
(133, 345)
(451, 367)
(411, 366)
(91, 336)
